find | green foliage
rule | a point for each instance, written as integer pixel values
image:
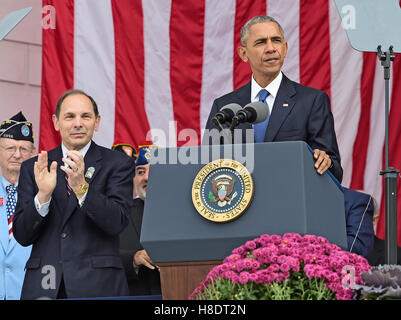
(297, 287)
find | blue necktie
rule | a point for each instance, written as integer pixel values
(10, 207)
(260, 128)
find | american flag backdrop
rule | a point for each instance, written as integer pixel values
(159, 64)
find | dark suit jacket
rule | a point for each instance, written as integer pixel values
(377, 254)
(359, 211)
(306, 118)
(147, 281)
(79, 243)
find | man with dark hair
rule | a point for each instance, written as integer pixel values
(16, 146)
(297, 113)
(71, 207)
(71, 92)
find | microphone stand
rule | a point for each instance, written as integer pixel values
(217, 123)
(221, 129)
(390, 174)
(234, 123)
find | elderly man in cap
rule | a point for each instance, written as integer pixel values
(16, 144)
(142, 274)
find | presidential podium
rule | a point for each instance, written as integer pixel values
(289, 196)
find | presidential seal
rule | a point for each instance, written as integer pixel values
(222, 190)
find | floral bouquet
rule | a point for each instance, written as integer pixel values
(283, 268)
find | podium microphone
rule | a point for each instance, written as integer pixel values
(253, 112)
(226, 114)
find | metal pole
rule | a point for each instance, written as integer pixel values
(390, 174)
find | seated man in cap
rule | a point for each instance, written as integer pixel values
(16, 144)
(143, 276)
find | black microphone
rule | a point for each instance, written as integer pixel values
(226, 113)
(253, 112)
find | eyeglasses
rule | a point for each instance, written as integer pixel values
(12, 150)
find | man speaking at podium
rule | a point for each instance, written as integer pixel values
(296, 112)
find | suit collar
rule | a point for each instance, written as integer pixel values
(11, 244)
(286, 87)
(55, 154)
(272, 87)
(92, 156)
(244, 94)
(283, 105)
(93, 161)
(83, 151)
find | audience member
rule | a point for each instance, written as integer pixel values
(73, 204)
(142, 274)
(16, 143)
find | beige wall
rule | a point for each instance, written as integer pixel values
(21, 64)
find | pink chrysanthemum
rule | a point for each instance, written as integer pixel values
(275, 258)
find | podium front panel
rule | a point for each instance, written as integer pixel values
(289, 196)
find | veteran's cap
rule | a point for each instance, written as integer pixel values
(17, 128)
(127, 149)
(144, 154)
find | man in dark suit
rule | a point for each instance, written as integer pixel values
(142, 274)
(359, 209)
(73, 202)
(297, 112)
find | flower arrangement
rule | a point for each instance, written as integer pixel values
(284, 268)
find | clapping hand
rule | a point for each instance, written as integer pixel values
(45, 179)
(75, 169)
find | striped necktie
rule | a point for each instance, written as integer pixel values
(260, 128)
(10, 207)
(69, 190)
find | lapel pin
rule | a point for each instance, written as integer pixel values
(89, 173)
(285, 105)
(1, 201)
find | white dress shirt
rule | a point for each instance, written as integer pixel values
(43, 209)
(272, 88)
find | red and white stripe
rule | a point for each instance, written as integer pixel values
(10, 228)
(155, 67)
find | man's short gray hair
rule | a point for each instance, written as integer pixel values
(255, 20)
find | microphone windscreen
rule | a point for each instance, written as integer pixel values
(231, 109)
(259, 110)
